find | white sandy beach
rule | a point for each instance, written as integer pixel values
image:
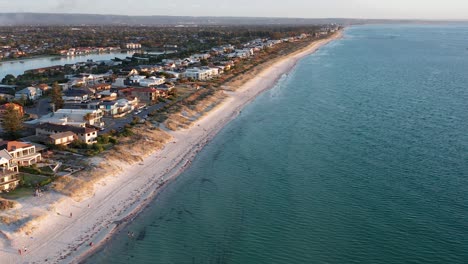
(64, 239)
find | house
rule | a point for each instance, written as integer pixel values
(44, 87)
(120, 82)
(198, 74)
(109, 108)
(152, 81)
(23, 154)
(17, 107)
(63, 138)
(133, 46)
(135, 79)
(100, 87)
(204, 56)
(76, 95)
(146, 95)
(74, 117)
(107, 95)
(8, 172)
(85, 134)
(31, 93)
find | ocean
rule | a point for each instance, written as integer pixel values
(359, 155)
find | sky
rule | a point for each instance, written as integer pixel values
(380, 9)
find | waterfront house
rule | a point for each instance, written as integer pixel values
(23, 154)
(146, 95)
(74, 117)
(152, 81)
(85, 134)
(8, 172)
(63, 138)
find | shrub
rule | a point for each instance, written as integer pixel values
(6, 204)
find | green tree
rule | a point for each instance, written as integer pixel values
(12, 122)
(8, 79)
(56, 96)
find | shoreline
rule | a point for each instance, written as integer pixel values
(120, 198)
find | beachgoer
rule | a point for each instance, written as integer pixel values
(19, 251)
(71, 215)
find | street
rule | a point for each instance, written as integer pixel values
(118, 123)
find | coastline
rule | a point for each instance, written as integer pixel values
(120, 198)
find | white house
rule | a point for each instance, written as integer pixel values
(31, 93)
(74, 117)
(201, 74)
(119, 82)
(152, 81)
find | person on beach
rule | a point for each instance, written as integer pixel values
(19, 251)
(71, 215)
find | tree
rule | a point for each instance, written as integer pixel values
(88, 117)
(9, 79)
(12, 121)
(56, 96)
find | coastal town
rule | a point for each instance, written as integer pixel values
(58, 120)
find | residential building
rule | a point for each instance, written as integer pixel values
(146, 95)
(76, 95)
(31, 93)
(63, 138)
(152, 81)
(23, 154)
(74, 117)
(8, 172)
(17, 107)
(85, 134)
(198, 74)
(203, 56)
(133, 46)
(109, 107)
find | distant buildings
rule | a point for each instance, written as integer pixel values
(133, 46)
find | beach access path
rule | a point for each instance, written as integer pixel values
(74, 229)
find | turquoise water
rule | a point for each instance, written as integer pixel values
(359, 155)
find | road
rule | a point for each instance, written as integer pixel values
(119, 123)
(41, 108)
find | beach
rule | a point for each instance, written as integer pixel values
(72, 230)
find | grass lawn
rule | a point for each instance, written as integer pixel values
(17, 193)
(30, 181)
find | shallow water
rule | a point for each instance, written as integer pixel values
(359, 155)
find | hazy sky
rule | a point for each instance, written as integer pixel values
(425, 9)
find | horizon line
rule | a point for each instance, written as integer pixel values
(245, 17)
